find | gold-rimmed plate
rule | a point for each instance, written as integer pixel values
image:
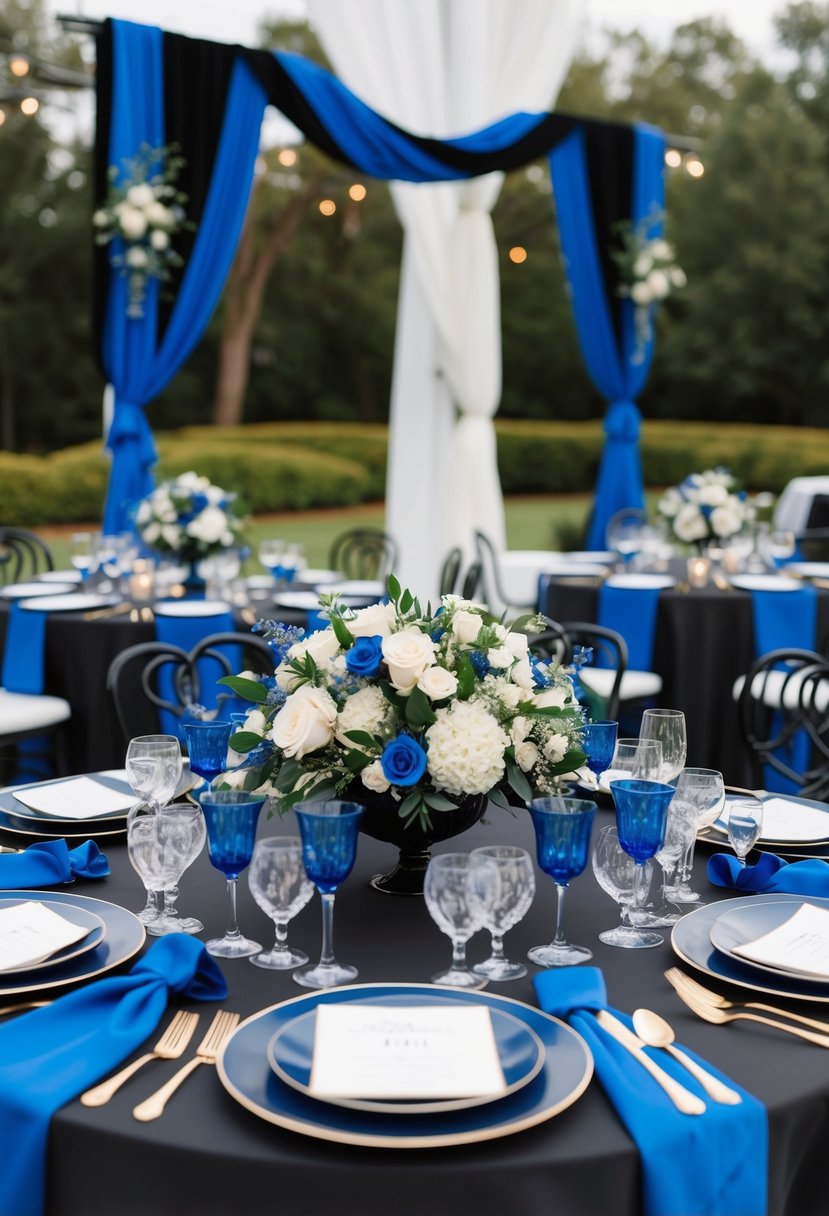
(245, 1073)
(76, 915)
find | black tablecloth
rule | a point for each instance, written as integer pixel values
(208, 1155)
(704, 640)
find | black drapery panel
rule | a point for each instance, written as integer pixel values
(103, 104)
(610, 170)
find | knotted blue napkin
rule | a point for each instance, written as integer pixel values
(187, 632)
(631, 611)
(692, 1165)
(51, 862)
(53, 1054)
(771, 875)
(23, 654)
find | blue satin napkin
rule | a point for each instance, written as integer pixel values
(771, 875)
(631, 611)
(714, 1164)
(50, 862)
(23, 654)
(187, 632)
(51, 1055)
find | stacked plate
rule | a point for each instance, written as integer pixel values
(112, 936)
(792, 827)
(266, 1066)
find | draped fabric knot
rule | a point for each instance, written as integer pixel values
(623, 422)
(130, 426)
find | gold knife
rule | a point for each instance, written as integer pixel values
(682, 1098)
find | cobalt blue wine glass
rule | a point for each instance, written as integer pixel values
(231, 817)
(329, 845)
(599, 740)
(562, 838)
(641, 818)
(207, 744)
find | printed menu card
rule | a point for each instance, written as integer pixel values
(800, 944)
(31, 932)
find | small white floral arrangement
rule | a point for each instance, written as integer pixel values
(189, 517)
(649, 274)
(143, 211)
(429, 707)
(706, 506)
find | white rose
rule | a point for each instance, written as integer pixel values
(136, 258)
(725, 521)
(713, 495)
(517, 644)
(641, 294)
(509, 694)
(159, 240)
(526, 755)
(556, 697)
(643, 265)
(499, 657)
(437, 683)
(151, 533)
(662, 250)
(208, 525)
(144, 513)
(659, 284)
(555, 749)
(677, 276)
(133, 223)
(172, 535)
(466, 626)
(373, 778)
(321, 646)
(375, 621)
(408, 654)
(521, 674)
(158, 215)
(100, 219)
(234, 780)
(689, 524)
(256, 722)
(520, 729)
(305, 722)
(140, 195)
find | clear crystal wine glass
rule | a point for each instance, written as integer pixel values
(329, 832)
(511, 904)
(153, 766)
(702, 789)
(81, 551)
(271, 552)
(667, 726)
(641, 758)
(457, 889)
(745, 823)
(152, 864)
(281, 888)
(680, 834)
(179, 835)
(615, 871)
(562, 836)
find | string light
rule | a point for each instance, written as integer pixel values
(357, 192)
(30, 105)
(673, 158)
(328, 206)
(518, 254)
(2, 117)
(694, 166)
(287, 157)
(18, 66)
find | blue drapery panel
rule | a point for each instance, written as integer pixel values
(605, 325)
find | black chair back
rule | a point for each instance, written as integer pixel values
(786, 692)
(471, 581)
(23, 555)
(561, 641)
(450, 570)
(363, 553)
(133, 677)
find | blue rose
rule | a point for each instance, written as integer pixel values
(403, 761)
(480, 663)
(365, 656)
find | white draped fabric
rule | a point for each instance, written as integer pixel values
(442, 68)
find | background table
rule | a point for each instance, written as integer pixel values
(704, 641)
(208, 1155)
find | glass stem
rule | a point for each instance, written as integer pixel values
(639, 891)
(497, 946)
(561, 891)
(233, 924)
(688, 861)
(152, 902)
(458, 955)
(668, 874)
(281, 942)
(170, 897)
(327, 955)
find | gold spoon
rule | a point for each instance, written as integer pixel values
(655, 1031)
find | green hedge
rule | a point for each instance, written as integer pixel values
(299, 466)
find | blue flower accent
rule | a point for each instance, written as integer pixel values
(365, 656)
(539, 671)
(403, 761)
(480, 663)
(198, 502)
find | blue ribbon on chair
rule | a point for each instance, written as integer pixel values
(631, 611)
(713, 1164)
(53, 1054)
(785, 619)
(24, 651)
(187, 632)
(49, 862)
(771, 875)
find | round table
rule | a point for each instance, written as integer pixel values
(208, 1155)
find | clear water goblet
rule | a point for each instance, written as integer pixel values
(640, 758)
(641, 815)
(152, 864)
(615, 871)
(511, 904)
(745, 823)
(231, 817)
(153, 767)
(599, 742)
(207, 744)
(704, 790)
(281, 888)
(680, 834)
(82, 547)
(179, 834)
(271, 553)
(457, 890)
(329, 832)
(667, 726)
(562, 836)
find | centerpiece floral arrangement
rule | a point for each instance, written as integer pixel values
(189, 517)
(649, 274)
(142, 212)
(707, 506)
(427, 707)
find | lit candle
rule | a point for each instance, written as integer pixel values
(698, 570)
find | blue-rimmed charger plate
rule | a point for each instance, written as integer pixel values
(521, 1052)
(82, 917)
(123, 937)
(247, 1076)
(691, 940)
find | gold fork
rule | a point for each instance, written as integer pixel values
(680, 981)
(720, 1017)
(170, 1046)
(207, 1052)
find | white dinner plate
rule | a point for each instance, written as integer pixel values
(22, 591)
(765, 582)
(302, 601)
(78, 602)
(641, 582)
(191, 608)
(61, 576)
(559, 568)
(260, 582)
(605, 556)
(362, 588)
(316, 575)
(789, 820)
(809, 569)
(738, 926)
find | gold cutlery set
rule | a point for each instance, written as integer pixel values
(711, 1007)
(171, 1046)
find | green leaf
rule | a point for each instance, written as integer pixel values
(245, 741)
(393, 588)
(500, 799)
(342, 632)
(363, 738)
(419, 713)
(406, 601)
(289, 774)
(518, 625)
(518, 782)
(438, 803)
(466, 677)
(355, 761)
(251, 690)
(253, 778)
(409, 806)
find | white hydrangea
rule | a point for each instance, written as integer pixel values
(366, 710)
(466, 749)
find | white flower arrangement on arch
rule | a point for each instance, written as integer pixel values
(190, 517)
(649, 274)
(706, 506)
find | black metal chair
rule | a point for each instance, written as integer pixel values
(133, 677)
(450, 570)
(496, 595)
(23, 555)
(363, 553)
(783, 709)
(471, 581)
